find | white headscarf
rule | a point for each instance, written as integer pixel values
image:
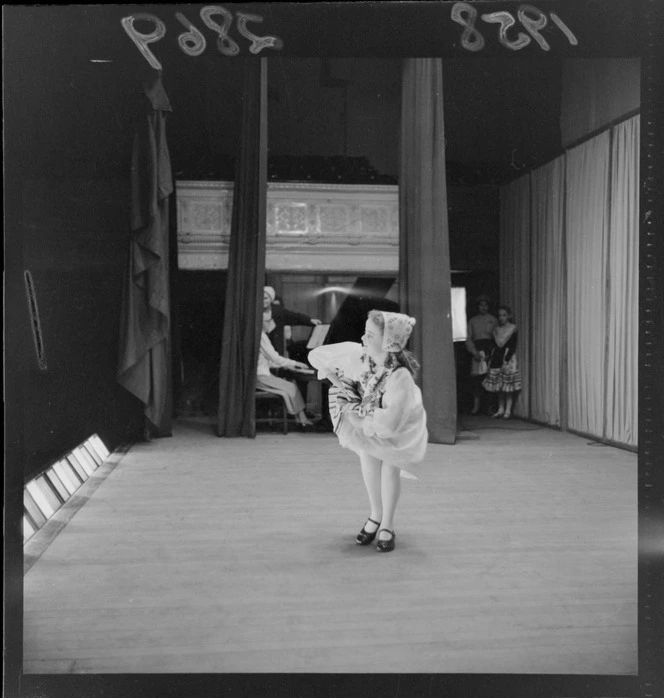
(397, 330)
(268, 323)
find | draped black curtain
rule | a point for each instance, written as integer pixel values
(424, 250)
(246, 263)
(176, 320)
(144, 362)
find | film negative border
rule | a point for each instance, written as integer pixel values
(651, 346)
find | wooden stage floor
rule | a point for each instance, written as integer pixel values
(516, 553)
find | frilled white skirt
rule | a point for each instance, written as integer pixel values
(403, 450)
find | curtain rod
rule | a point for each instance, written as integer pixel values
(579, 141)
(602, 129)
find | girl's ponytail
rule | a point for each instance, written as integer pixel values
(403, 358)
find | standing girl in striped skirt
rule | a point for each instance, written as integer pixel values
(504, 376)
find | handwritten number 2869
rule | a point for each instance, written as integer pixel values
(532, 19)
(192, 42)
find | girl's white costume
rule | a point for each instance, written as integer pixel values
(393, 426)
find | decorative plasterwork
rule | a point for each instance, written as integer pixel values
(313, 227)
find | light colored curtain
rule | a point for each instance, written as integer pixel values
(548, 209)
(596, 91)
(587, 228)
(515, 274)
(623, 305)
(424, 248)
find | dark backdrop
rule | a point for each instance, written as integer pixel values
(67, 136)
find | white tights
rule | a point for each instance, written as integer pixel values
(383, 483)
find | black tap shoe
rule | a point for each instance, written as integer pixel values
(386, 546)
(364, 537)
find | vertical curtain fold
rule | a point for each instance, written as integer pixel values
(246, 263)
(582, 285)
(144, 356)
(424, 257)
(548, 206)
(514, 260)
(587, 227)
(622, 349)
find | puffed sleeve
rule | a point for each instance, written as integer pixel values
(344, 358)
(398, 400)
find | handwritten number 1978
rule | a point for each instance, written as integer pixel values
(532, 19)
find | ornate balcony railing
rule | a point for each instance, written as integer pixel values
(310, 227)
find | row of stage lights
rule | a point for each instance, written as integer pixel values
(47, 492)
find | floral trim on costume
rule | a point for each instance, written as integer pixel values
(362, 397)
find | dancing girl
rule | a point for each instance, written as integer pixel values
(377, 412)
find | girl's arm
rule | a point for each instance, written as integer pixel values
(274, 358)
(511, 346)
(397, 400)
(470, 345)
(335, 380)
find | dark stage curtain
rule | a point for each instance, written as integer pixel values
(177, 368)
(243, 313)
(424, 250)
(144, 360)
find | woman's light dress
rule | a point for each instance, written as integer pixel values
(393, 426)
(480, 338)
(267, 358)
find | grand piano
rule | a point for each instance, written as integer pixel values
(367, 293)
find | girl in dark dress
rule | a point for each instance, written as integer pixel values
(504, 376)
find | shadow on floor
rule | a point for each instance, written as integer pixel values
(478, 422)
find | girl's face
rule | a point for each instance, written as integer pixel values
(483, 307)
(267, 300)
(372, 339)
(502, 316)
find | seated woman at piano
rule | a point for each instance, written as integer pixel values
(276, 318)
(269, 358)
